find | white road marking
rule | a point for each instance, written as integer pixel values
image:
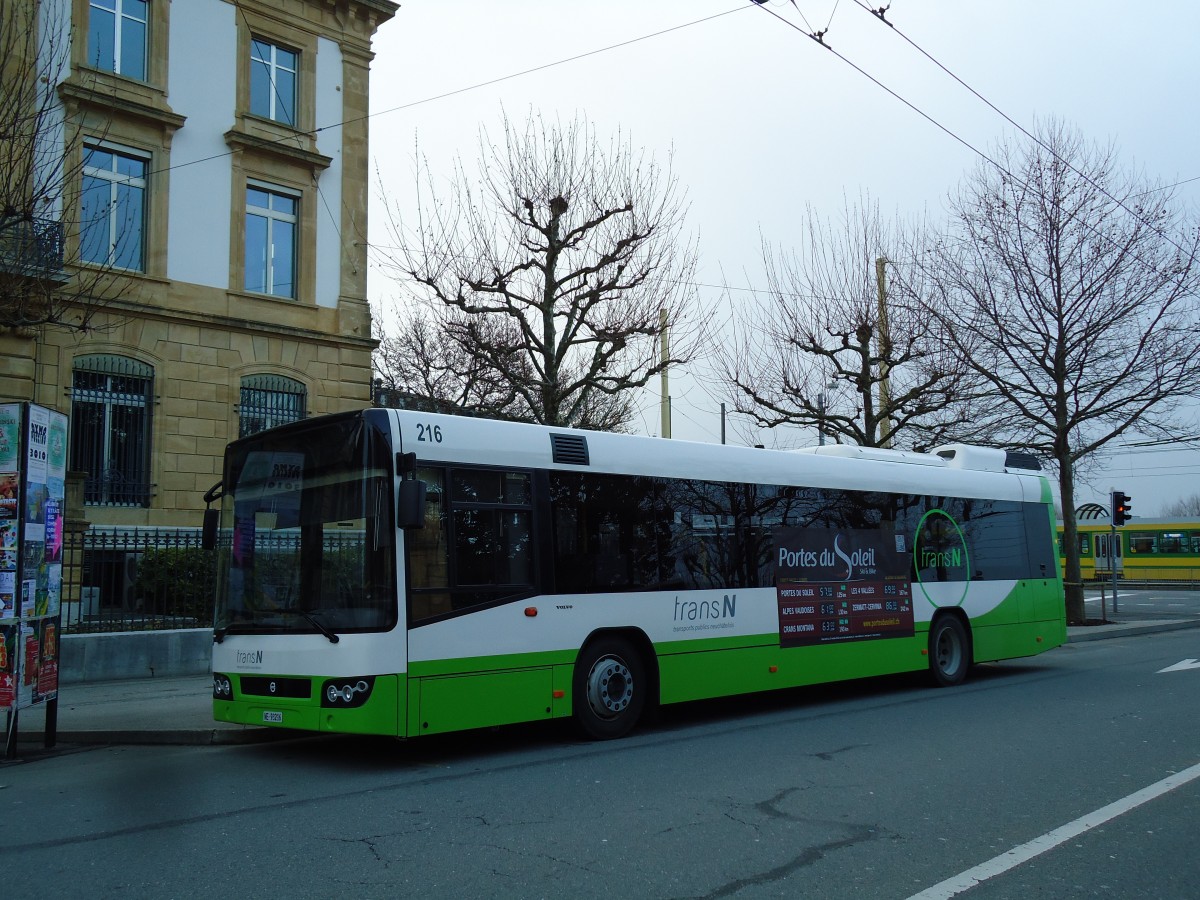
(1181, 666)
(1039, 845)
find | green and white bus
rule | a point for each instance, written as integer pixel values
(402, 573)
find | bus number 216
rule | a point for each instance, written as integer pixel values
(429, 433)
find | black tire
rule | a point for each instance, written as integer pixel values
(610, 688)
(949, 651)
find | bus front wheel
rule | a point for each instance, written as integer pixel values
(949, 651)
(610, 688)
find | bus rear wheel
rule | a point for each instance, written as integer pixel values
(610, 688)
(949, 651)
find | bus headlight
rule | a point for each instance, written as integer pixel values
(346, 693)
(222, 687)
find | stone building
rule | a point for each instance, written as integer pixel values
(215, 194)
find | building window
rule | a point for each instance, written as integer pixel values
(113, 207)
(271, 240)
(111, 401)
(273, 81)
(269, 400)
(117, 36)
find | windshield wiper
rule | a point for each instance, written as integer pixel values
(258, 627)
(314, 622)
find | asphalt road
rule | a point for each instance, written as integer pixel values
(1141, 603)
(884, 788)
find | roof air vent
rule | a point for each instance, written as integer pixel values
(570, 449)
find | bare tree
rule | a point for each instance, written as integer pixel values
(837, 350)
(1185, 507)
(423, 364)
(1071, 286)
(49, 274)
(557, 268)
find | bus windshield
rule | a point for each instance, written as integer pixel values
(307, 531)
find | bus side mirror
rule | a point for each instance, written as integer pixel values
(410, 510)
(208, 531)
(208, 534)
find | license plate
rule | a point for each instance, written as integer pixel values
(276, 717)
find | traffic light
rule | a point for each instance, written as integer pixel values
(1120, 508)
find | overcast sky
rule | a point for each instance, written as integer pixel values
(763, 121)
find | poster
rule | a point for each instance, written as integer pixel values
(47, 686)
(8, 591)
(10, 515)
(10, 550)
(33, 463)
(10, 436)
(836, 585)
(8, 663)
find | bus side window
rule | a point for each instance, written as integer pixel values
(428, 568)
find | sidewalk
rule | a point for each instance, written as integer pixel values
(179, 710)
(140, 711)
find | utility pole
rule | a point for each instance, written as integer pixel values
(885, 343)
(666, 396)
(822, 399)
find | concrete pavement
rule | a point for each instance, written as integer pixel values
(172, 710)
(179, 710)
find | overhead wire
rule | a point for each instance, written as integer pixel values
(1167, 187)
(1089, 226)
(1156, 445)
(384, 262)
(512, 75)
(818, 37)
(920, 112)
(880, 14)
(472, 87)
(296, 136)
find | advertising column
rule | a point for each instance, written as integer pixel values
(33, 468)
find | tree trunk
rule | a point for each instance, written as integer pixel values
(1072, 576)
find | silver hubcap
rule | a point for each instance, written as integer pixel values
(609, 687)
(949, 652)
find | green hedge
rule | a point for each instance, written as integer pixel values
(178, 581)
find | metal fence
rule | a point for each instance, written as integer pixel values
(130, 579)
(144, 579)
(1165, 576)
(32, 247)
(139, 579)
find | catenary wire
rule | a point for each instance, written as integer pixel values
(880, 15)
(462, 90)
(818, 38)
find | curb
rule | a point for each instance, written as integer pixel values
(194, 737)
(1105, 632)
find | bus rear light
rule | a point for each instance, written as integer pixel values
(558, 695)
(531, 611)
